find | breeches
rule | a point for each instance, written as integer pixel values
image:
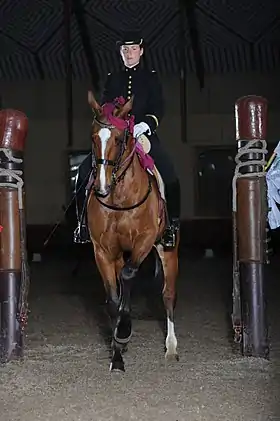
(162, 161)
(84, 171)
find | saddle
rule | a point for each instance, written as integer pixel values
(143, 148)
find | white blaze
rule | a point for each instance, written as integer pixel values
(104, 135)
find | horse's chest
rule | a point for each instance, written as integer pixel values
(125, 232)
(117, 232)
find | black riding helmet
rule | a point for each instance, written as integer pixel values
(130, 38)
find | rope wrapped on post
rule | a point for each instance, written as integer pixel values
(14, 174)
(249, 147)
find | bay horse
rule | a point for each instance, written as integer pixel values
(125, 213)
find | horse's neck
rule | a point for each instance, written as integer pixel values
(133, 175)
(136, 171)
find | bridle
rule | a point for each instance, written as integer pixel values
(117, 165)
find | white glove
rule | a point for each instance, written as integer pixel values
(141, 128)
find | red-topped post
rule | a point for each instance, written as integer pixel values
(14, 274)
(250, 222)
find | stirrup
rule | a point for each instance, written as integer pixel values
(169, 237)
(81, 234)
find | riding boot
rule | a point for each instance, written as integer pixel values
(81, 233)
(173, 202)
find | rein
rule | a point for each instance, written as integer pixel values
(118, 164)
(127, 208)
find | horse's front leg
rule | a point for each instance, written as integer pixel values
(108, 271)
(142, 246)
(126, 274)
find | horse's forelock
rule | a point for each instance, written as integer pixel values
(108, 116)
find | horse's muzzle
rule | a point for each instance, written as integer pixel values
(102, 193)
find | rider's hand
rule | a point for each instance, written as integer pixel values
(141, 128)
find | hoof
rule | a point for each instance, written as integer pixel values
(171, 356)
(124, 348)
(117, 363)
(117, 366)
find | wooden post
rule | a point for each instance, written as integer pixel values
(250, 221)
(14, 276)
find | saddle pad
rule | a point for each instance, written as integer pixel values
(144, 146)
(160, 182)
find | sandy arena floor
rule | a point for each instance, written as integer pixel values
(65, 374)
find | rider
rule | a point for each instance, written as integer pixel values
(148, 108)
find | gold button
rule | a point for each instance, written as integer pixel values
(128, 97)
(129, 76)
(129, 92)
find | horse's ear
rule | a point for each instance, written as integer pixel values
(127, 107)
(93, 103)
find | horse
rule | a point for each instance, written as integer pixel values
(126, 214)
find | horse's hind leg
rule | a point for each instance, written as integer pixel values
(170, 268)
(107, 269)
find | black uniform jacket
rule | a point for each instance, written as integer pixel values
(144, 84)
